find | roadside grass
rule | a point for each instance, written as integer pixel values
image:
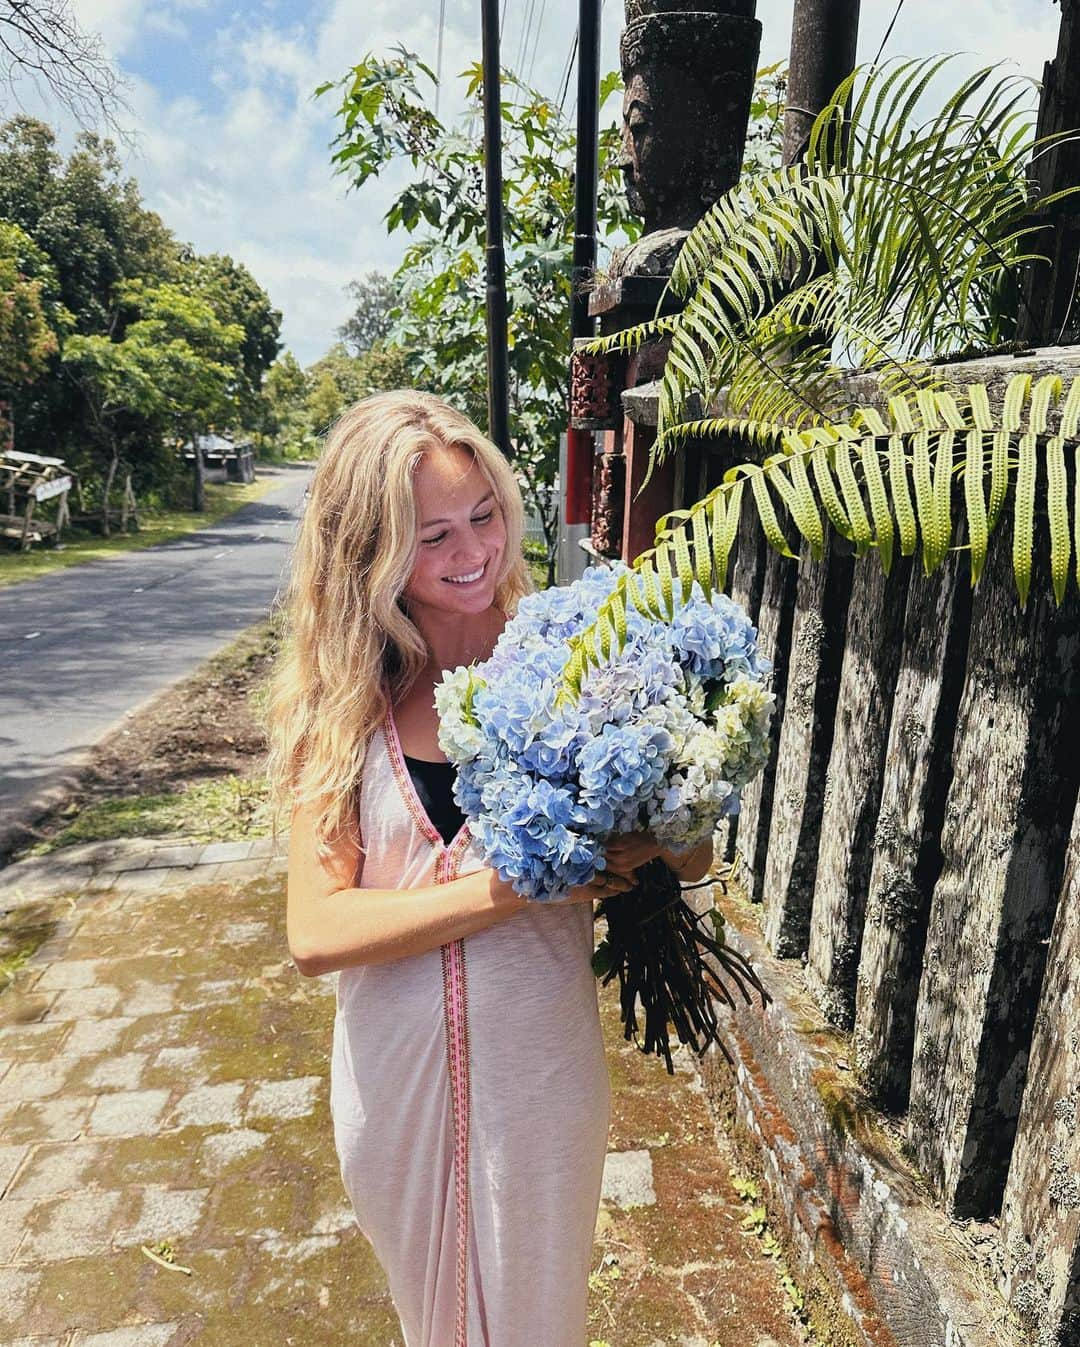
(160, 526)
(226, 809)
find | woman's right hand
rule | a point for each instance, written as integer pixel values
(604, 884)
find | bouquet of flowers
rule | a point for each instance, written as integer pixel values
(662, 737)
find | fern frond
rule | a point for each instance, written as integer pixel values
(860, 474)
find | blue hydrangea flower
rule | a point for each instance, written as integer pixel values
(664, 735)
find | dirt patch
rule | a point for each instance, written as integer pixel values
(205, 729)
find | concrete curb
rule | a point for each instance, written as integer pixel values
(98, 865)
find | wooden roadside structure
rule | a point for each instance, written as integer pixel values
(25, 481)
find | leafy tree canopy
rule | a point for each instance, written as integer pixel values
(27, 285)
(374, 298)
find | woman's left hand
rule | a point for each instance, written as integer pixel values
(629, 850)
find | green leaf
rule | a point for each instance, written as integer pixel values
(1024, 515)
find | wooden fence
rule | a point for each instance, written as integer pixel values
(915, 844)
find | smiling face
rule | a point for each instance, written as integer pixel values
(461, 537)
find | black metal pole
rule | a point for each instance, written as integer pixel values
(494, 256)
(585, 181)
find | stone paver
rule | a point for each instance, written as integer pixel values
(72, 973)
(72, 1226)
(128, 1113)
(95, 1036)
(11, 1157)
(138, 1335)
(123, 1072)
(56, 1168)
(628, 1179)
(35, 1080)
(284, 1099)
(84, 1003)
(209, 1105)
(166, 1213)
(175, 1071)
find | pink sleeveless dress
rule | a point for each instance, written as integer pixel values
(470, 1099)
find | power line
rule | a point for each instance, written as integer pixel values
(888, 31)
(536, 42)
(523, 45)
(568, 70)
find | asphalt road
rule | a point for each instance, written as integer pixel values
(82, 646)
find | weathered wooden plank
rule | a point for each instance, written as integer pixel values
(823, 589)
(774, 638)
(1007, 820)
(1040, 1217)
(907, 839)
(853, 780)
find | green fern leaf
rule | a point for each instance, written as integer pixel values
(683, 565)
(725, 526)
(898, 485)
(827, 491)
(803, 508)
(653, 596)
(1070, 413)
(667, 591)
(702, 552)
(879, 501)
(845, 472)
(774, 534)
(1057, 509)
(1024, 515)
(924, 495)
(975, 500)
(999, 475)
(942, 512)
(1016, 394)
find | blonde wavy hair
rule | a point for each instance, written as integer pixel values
(346, 636)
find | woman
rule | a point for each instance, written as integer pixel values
(469, 1092)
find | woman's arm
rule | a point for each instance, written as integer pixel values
(332, 924)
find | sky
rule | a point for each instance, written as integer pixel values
(232, 150)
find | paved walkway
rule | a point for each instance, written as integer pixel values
(163, 1087)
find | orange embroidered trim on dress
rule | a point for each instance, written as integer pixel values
(456, 1012)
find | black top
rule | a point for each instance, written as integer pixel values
(434, 783)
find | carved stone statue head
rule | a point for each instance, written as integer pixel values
(688, 76)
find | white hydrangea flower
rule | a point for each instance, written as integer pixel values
(458, 739)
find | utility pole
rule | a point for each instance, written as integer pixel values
(494, 254)
(1050, 307)
(824, 34)
(580, 447)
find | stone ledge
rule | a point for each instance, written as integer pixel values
(640, 403)
(853, 1210)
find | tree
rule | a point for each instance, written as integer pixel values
(176, 364)
(440, 319)
(45, 42)
(374, 299)
(27, 302)
(236, 297)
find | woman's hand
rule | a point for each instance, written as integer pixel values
(604, 884)
(629, 850)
